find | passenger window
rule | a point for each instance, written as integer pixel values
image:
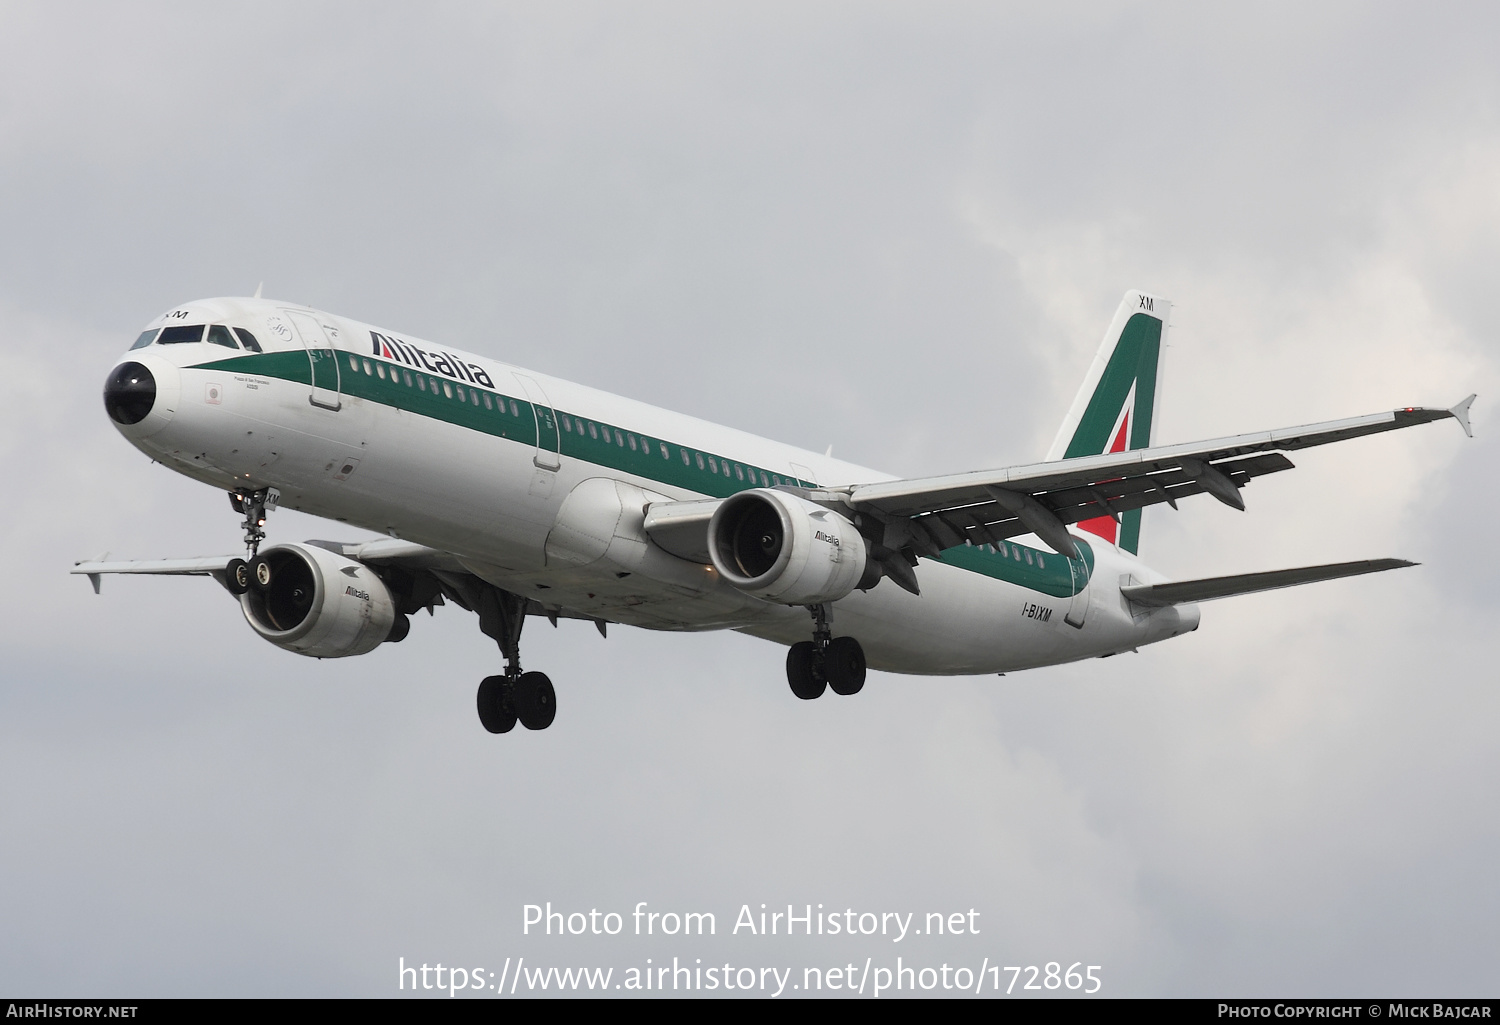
(461, 396)
(422, 383)
(219, 335)
(473, 397)
(1040, 564)
(446, 387)
(685, 461)
(619, 437)
(369, 372)
(247, 339)
(739, 471)
(727, 471)
(1028, 556)
(664, 453)
(380, 369)
(487, 403)
(180, 333)
(700, 460)
(632, 442)
(593, 430)
(145, 339)
(765, 481)
(515, 410)
(407, 375)
(354, 365)
(567, 424)
(712, 466)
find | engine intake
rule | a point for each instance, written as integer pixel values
(786, 549)
(322, 604)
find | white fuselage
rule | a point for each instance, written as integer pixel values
(477, 458)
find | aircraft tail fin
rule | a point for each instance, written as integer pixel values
(1115, 410)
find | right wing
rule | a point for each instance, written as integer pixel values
(928, 515)
(931, 514)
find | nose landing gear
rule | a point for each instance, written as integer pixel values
(251, 571)
(256, 506)
(825, 661)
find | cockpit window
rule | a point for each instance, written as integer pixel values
(247, 339)
(179, 333)
(145, 339)
(218, 334)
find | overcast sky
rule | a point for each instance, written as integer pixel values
(897, 228)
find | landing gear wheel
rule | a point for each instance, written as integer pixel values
(804, 681)
(536, 701)
(495, 711)
(260, 574)
(238, 574)
(844, 665)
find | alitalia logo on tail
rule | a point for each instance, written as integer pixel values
(1115, 409)
(392, 348)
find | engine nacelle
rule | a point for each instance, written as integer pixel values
(786, 549)
(322, 604)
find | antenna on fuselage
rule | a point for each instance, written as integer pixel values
(258, 288)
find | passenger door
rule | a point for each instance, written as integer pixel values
(1078, 604)
(548, 455)
(322, 357)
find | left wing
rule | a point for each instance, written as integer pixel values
(206, 566)
(930, 514)
(444, 575)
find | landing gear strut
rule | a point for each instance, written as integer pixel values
(825, 661)
(251, 571)
(515, 696)
(256, 506)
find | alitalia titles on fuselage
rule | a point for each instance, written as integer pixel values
(445, 363)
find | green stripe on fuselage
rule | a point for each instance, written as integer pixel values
(1026, 567)
(513, 418)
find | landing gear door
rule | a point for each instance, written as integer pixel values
(547, 440)
(1078, 604)
(322, 356)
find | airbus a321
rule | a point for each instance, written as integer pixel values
(516, 495)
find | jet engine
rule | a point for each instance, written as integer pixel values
(321, 604)
(786, 549)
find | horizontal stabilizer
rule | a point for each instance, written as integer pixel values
(1179, 591)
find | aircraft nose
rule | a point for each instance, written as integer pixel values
(129, 393)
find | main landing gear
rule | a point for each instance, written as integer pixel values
(825, 661)
(527, 698)
(251, 571)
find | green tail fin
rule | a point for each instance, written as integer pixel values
(1115, 410)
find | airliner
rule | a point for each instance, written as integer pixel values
(516, 495)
